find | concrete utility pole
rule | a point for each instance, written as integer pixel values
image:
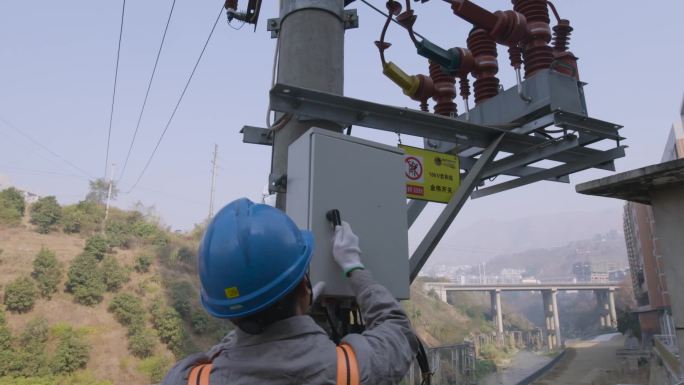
(311, 50)
(213, 179)
(109, 195)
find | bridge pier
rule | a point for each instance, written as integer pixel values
(497, 316)
(605, 301)
(611, 308)
(551, 319)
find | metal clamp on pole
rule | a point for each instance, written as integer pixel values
(349, 17)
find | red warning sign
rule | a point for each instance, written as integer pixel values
(414, 168)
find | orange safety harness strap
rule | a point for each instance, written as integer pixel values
(347, 366)
(347, 369)
(199, 375)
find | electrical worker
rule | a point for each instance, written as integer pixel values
(253, 263)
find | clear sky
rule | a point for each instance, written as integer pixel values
(57, 65)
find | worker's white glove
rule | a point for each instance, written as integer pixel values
(346, 249)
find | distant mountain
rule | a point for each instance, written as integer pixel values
(491, 238)
(607, 249)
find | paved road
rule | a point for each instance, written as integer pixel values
(523, 364)
(591, 362)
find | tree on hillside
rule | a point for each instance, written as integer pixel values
(83, 217)
(13, 198)
(85, 280)
(99, 188)
(12, 206)
(97, 245)
(142, 342)
(5, 333)
(20, 295)
(128, 309)
(45, 213)
(113, 273)
(47, 271)
(72, 353)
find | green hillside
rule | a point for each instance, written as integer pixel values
(84, 305)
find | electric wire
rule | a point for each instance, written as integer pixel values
(180, 99)
(116, 76)
(44, 147)
(147, 93)
(393, 19)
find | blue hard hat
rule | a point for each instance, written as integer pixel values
(251, 255)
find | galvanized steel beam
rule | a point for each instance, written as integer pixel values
(565, 169)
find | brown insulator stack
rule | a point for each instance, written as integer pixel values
(483, 48)
(565, 61)
(515, 56)
(445, 90)
(537, 53)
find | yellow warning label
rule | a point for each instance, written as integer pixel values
(232, 292)
(430, 176)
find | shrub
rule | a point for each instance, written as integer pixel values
(14, 199)
(45, 213)
(47, 271)
(97, 245)
(114, 275)
(127, 308)
(9, 216)
(35, 334)
(143, 263)
(169, 326)
(181, 292)
(72, 219)
(185, 254)
(199, 321)
(154, 368)
(20, 295)
(83, 217)
(142, 343)
(5, 338)
(85, 280)
(12, 206)
(73, 352)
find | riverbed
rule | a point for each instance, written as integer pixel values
(522, 365)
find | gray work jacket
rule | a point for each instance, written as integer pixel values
(298, 351)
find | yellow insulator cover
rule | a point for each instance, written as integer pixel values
(408, 83)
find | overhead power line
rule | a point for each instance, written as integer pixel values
(46, 148)
(116, 76)
(180, 99)
(147, 93)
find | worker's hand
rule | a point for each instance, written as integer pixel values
(346, 249)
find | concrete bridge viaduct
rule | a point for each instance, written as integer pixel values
(605, 299)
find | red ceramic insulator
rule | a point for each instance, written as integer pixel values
(464, 86)
(561, 35)
(486, 66)
(515, 55)
(506, 27)
(537, 53)
(445, 90)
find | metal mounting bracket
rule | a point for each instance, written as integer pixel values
(350, 18)
(257, 135)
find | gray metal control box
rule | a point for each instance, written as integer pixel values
(365, 181)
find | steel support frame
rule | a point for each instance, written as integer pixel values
(415, 207)
(348, 111)
(565, 169)
(446, 217)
